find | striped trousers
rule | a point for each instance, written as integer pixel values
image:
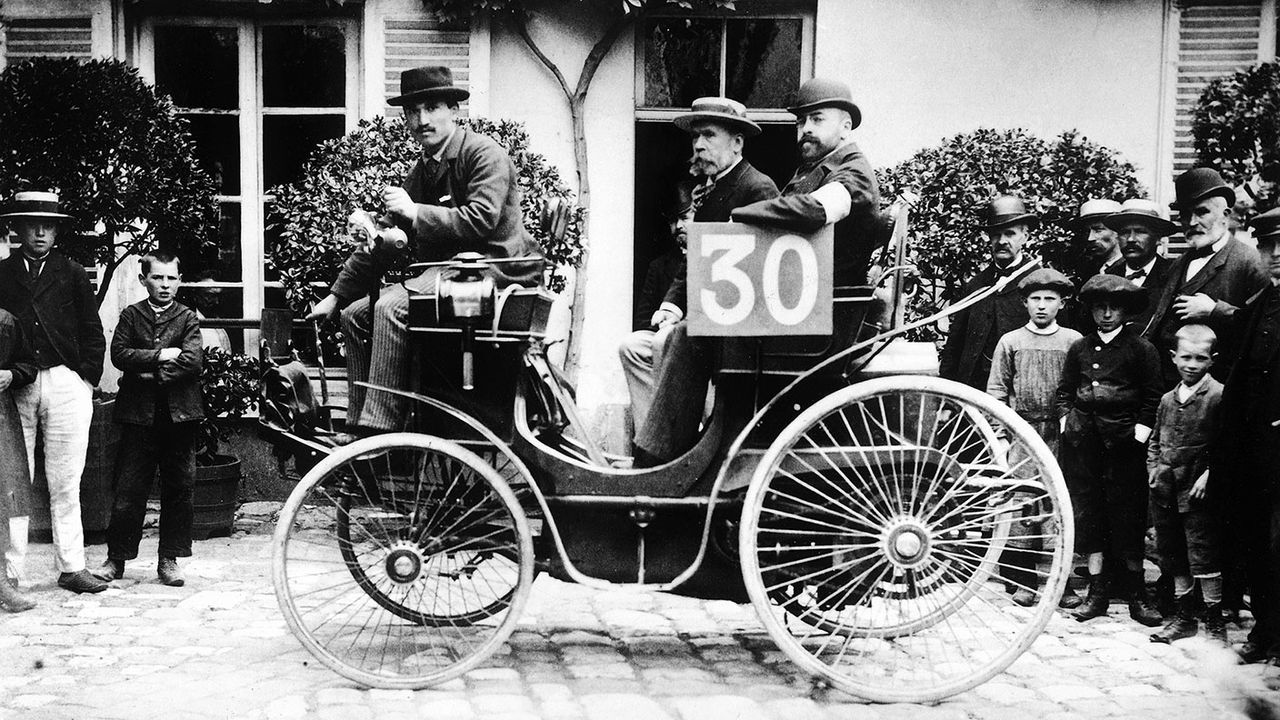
(377, 346)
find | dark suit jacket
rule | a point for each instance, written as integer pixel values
(61, 306)
(469, 202)
(1108, 388)
(743, 185)
(135, 350)
(1154, 284)
(974, 332)
(1247, 449)
(856, 236)
(1231, 277)
(15, 479)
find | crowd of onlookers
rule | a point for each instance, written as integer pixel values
(1153, 384)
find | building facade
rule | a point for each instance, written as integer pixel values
(263, 81)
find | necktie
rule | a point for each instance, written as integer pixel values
(700, 193)
(1135, 274)
(33, 268)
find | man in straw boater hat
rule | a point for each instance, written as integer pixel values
(1212, 279)
(54, 303)
(1107, 402)
(974, 332)
(721, 180)
(1101, 244)
(1139, 224)
(1246, 453)
(461, 195)
(833, 185)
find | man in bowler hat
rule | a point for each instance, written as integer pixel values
(1246, 455)
(833, 185)
(462, 195)
(971, 340)
(54, 303)
(1212, 280)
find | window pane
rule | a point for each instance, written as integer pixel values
(197, 66)
(762, 61)
(287, 140)
(303, 66)
(681, 61)
(218, 148)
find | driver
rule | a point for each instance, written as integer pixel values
(461, 195)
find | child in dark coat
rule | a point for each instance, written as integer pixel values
(157, 346)
(1187, 525)
(1107, 400)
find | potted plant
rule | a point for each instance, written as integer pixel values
(230, 382)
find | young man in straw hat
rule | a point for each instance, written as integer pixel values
(462, 195)
(53, 300)
(1100, 242)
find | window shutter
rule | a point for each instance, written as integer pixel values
(27, 38)
(1214, 39)
(414, 42)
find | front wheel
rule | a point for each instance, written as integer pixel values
(402, 561)
(885, 528)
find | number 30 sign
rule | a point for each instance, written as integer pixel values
(748, 280)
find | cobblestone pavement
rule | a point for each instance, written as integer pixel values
(219, 648)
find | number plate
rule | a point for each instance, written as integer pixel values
(748, 280)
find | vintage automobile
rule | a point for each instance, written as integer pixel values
(868, 514)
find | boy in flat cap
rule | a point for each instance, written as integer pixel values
(1025, 370)
(1107, 402)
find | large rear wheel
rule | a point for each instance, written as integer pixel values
(402, 560)
(883, 532)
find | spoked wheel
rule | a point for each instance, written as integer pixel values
(402, 561)
(876, 538)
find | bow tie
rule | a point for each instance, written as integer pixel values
(1135, 274)
(1196, 253)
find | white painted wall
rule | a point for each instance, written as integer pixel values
(928, 69)
(520, 88)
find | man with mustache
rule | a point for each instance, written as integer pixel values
(461, 195)
(1139, 224)
(1212, 280)
(833, 185)
(974, 332)
(1101, 244)
(722, 180)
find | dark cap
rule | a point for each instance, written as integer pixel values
(1266, 227)
(1197, 184)
(1046, 279)
(1114, 287)
(429, 82)
(822, 92)
(1008, 210)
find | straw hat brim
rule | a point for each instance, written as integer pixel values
(738, 124)
(1161, 226)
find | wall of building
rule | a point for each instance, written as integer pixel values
(520, 88)
(927, 69)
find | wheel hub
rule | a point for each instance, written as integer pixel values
(403, 564)
(907, 543)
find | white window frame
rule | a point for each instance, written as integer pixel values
(802, 12)
(253, 195)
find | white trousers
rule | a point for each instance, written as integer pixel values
(59, 407)
(641, 355)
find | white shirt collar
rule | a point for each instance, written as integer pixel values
(1053, 328)
(706, 180)
(157, 309)
(1107, 337)
(1185, 391)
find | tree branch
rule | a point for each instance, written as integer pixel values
(599, 51)
(522, 28)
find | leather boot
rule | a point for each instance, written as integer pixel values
(1141, 608)
(1069, 600)
(1095, 603)
(1182, 626)
(1215, 623)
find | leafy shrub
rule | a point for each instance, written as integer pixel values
(309, 217)
(1237, 131)
(122, 161)
(956, 179)
(231, 383)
